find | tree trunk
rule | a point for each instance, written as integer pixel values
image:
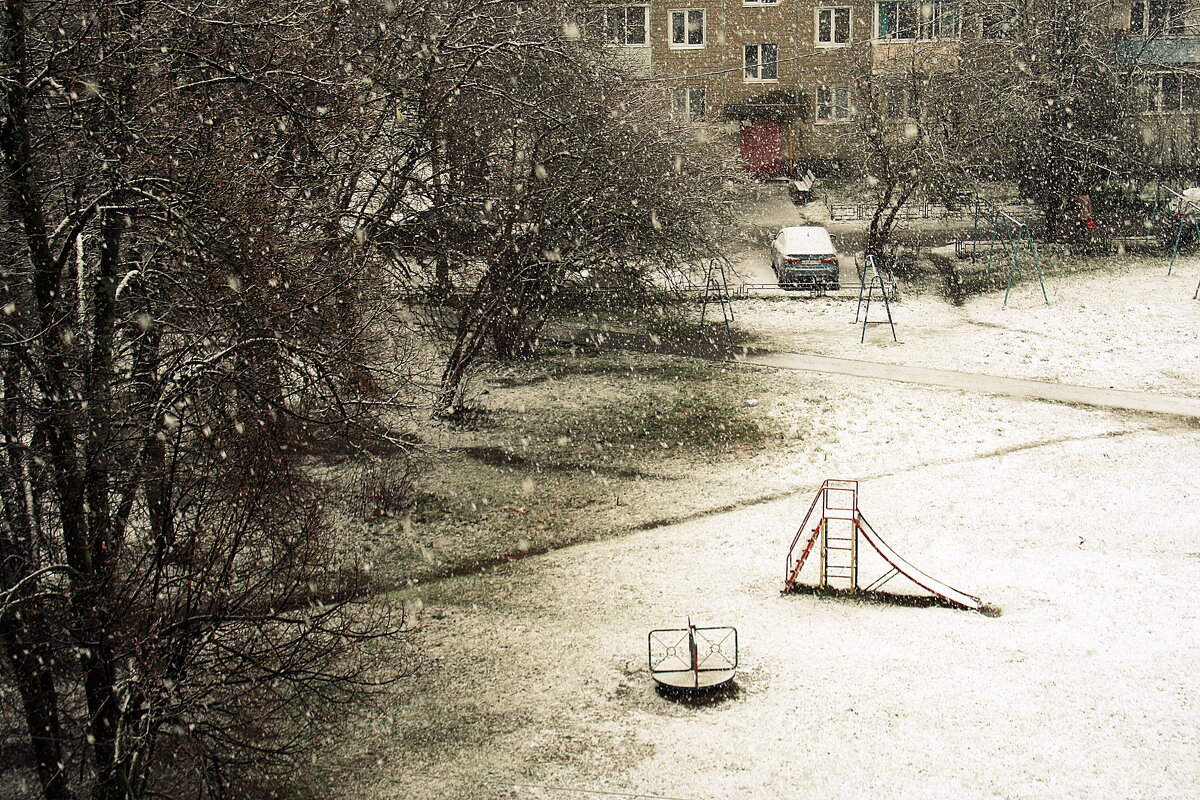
(33, 668)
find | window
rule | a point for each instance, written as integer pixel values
(626, 25)
(687, 28)
(759, 2)
(833, 103)
(916, 19)
(1172, 91)
(833, 27)
(1152, 17)
(687, 104)
(1189, 92)
(762, 62)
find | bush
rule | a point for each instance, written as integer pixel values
(382, 488)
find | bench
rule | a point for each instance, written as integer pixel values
(801, 188)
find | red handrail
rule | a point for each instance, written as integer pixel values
(789, 574)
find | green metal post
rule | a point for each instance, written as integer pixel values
(1036, 263)
(1175, 249)
(987, 269)
(1016, 260)
(975, 230)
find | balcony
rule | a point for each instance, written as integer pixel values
(1163, 50)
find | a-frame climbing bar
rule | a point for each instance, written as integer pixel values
(840, 530)
(1013, 235)
(873, 282)
(716, 290)
(1187, 215)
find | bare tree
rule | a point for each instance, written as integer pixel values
(907, 120)
(1054, 101)
(546, 168)
(188, 314)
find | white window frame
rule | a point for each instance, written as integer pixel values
(609, 33)
(689, 94)
(833, 93)
(944, 24)
(759, 63)
(686, 45)
(1186, 97)
(833, 29)
(767, 3)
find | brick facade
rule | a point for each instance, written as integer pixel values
(733, 94)
(781, 76)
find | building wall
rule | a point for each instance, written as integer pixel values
(1165, 65)
(811, 70)
(718, 67)
(803, 65)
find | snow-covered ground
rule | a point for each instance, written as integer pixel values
(1086, 686)
(1129, 325)
(1082, 525)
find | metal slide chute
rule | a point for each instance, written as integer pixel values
(902, 567)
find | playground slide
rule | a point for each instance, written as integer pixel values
(915, 575)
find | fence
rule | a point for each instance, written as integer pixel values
(850, 212)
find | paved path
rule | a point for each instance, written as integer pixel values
(987, 384)
(984, 384)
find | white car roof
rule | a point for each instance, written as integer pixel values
(805, 239)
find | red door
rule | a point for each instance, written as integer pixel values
(760, 142)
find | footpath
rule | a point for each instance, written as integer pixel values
(1145, 402)
(985, 384)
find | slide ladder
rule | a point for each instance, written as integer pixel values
(841, 529)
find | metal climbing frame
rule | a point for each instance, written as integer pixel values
(1013, 235)
(874, 280)
(836, 501)
(838, 524)
(716, 290)
(1186, 211)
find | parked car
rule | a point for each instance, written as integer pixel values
(803, 257)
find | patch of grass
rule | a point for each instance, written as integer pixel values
(562, 362)
(434, 506)
(678, 418)
(580, 446)
(471, 513)
(610, 409)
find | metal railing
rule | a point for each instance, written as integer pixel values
(852, 212)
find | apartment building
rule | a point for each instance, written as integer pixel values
(781, 75)
(1161, 43)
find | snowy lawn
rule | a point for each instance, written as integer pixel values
(1080, 524)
